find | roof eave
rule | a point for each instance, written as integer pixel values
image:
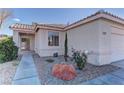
(30, 31)
(95, 17)
(83, 22)
(48, 28)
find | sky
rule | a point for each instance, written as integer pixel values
(51, 15)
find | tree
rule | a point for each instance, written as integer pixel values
(4, 14)
(66, 47)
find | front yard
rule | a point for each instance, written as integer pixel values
(44, 67)
(7, 71)
(8, 60)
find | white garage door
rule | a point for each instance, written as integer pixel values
(117, 44)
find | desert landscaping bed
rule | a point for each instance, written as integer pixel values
(7, 72)
(44, 69)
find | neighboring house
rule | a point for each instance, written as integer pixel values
(102, 34)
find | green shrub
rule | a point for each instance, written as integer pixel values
(8, 50)
(2, 58)
(79, 58)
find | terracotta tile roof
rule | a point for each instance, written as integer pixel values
(34, 26)
(107, 13)
(22, 26)
(97, 15)
(62, 27)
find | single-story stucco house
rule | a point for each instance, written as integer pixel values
(102, 34)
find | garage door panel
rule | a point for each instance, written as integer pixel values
(117, 45)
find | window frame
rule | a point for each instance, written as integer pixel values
(53, 39)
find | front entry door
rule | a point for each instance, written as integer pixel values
(25, 44)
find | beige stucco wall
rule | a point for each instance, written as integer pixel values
(104, 42)
(41, 43)
(17, 39)
(85, 37)
(95, 37)
(38, 42)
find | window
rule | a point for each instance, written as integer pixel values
(53, 38)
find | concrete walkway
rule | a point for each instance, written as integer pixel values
(26, 73)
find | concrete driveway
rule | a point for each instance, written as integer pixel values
(119, 63)
(113, 78)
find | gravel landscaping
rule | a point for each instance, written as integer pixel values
(44, 67)
(7, 72)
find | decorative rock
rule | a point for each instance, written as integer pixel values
(64, 71)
